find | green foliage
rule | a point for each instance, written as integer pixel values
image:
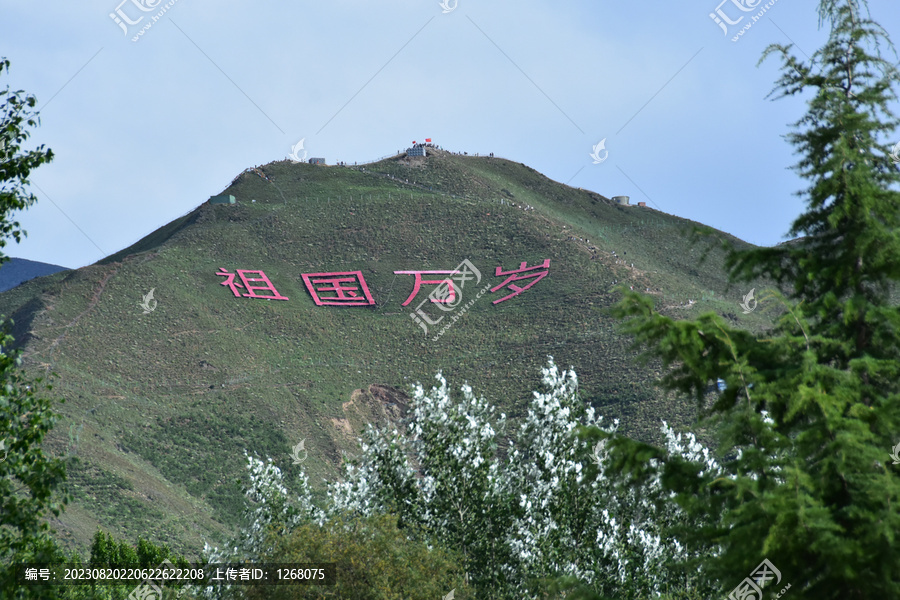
(106, 551)
(571, 588)
(375, 561)
(15, 165)
(804, 428)
(32, 485)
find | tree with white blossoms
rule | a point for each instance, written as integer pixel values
(548, 509)
(275, 512)
(271, 512)
(576, 517)
(451, 490)
(380, 481)
(556, 514)
(547, 512)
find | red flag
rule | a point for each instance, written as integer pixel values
(414, 142)
(428, 139)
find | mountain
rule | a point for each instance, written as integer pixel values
(165, 392)
(19, 270)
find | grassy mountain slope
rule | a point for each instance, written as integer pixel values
(160, 407)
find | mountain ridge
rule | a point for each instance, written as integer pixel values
(16, 271)
(161, 405)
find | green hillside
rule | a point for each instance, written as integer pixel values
(161, 406)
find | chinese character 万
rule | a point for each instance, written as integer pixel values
(346, 287)
(248, 284)
(449, 289)
(513, 277)
(447, 293)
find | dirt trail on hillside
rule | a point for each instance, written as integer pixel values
(94, 300)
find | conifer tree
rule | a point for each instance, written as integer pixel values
(810, 412)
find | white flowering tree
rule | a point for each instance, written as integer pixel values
(550, 508)
(271, 511)
(578, 517)
(556, 517)
(556, 505)
(380, 481)
(444, 477)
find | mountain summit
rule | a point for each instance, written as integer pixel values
(312, 304)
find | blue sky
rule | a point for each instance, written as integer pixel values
(145, 131)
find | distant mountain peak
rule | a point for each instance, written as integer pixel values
(17, 271)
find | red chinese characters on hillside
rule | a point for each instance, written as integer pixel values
(447, 298)
(248, 284)
(513, 277)
(348, 288)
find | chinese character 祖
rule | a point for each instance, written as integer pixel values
(345, 292)
(147, 591)
(513, 277)
(247, 285)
